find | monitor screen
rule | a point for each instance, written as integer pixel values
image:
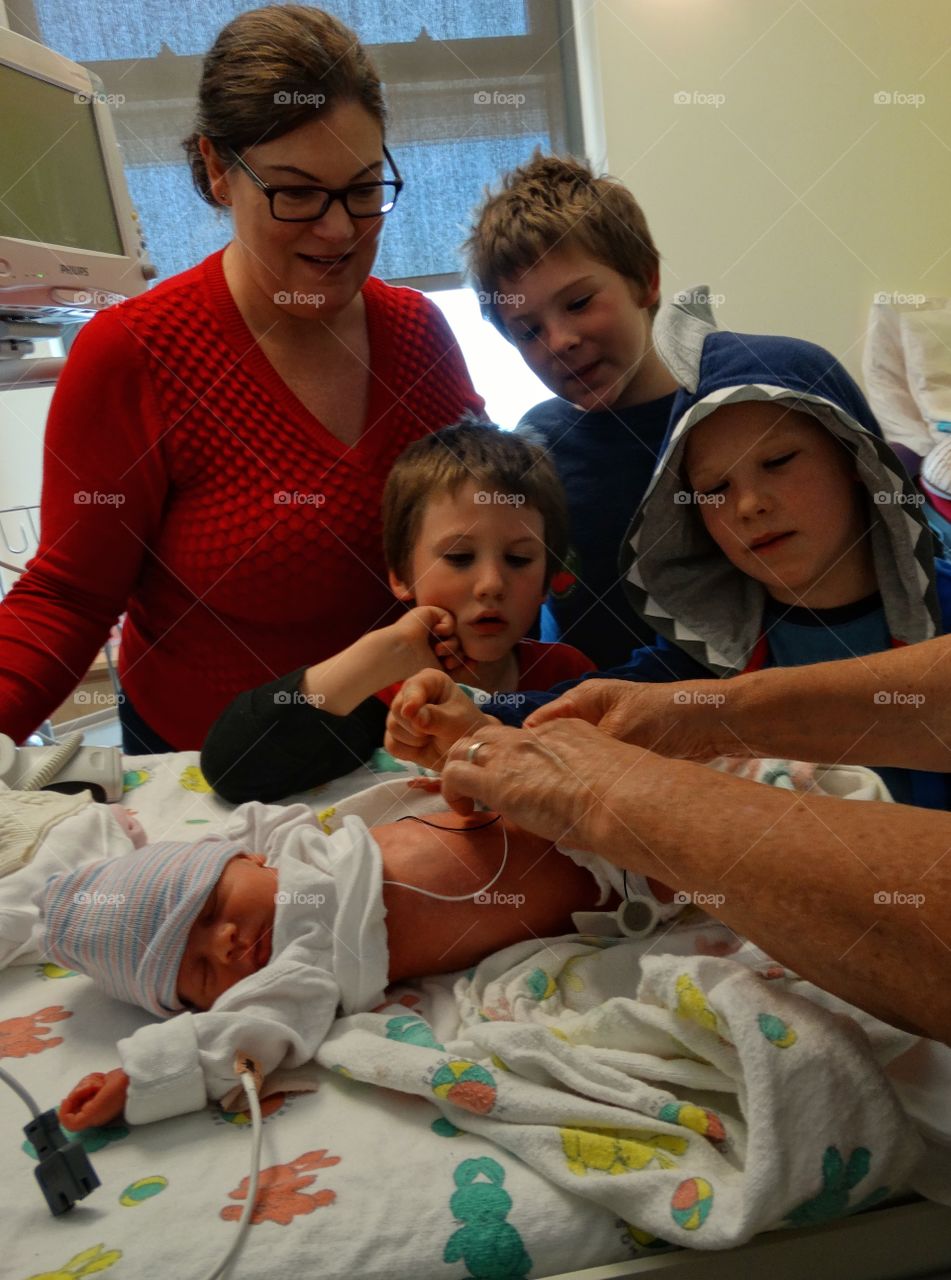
(55, 190)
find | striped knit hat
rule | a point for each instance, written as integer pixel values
(125, 921)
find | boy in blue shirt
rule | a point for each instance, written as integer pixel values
(779, 528)
(568, 272)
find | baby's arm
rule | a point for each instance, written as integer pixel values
(279, 1016)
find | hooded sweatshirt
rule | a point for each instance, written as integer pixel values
(711, 618)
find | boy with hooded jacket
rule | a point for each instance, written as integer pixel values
(779, 528)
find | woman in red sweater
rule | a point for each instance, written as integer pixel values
(216, 448)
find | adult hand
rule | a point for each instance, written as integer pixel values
(98, 1099)
(554, 781)
(682, 719)
(427, 716)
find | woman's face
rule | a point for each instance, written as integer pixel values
(305, 269)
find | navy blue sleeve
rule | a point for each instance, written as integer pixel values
(943, 583)
(658, 663)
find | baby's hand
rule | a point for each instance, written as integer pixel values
(97, 1100)
(427, 716)
(433, 785)
(130, 824)
(428, 633)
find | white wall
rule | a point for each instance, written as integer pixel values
(22, 421)
(798, 196)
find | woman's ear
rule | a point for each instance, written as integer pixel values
(216, 169)
(401, 589)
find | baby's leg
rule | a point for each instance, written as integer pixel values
(534, 896)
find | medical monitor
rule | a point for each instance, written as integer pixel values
(70, 242)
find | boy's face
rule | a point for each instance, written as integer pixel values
(784, 503)
(584, 330)
(231, 938)
(482, 557)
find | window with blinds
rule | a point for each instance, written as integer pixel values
(472, 87)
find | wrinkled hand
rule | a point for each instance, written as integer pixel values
(429, 634)
(682, 720)
(427, 716)
(554, 781)
(97, 1100)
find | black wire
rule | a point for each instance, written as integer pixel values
(411, 817)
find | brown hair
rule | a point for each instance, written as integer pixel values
(265, 74)
(495, 461)
(549, 201)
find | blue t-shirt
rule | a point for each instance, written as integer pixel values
(605, 460)
(797, 637)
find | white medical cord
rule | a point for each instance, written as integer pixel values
(23, 1092)
(251, 1089)
(464, 897)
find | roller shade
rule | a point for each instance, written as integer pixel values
(472, 87)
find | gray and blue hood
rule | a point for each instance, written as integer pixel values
(678, 579)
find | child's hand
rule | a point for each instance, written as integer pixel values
(97, 1100)
(427, 716)
(428, 634)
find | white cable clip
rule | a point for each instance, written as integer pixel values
(637, 917)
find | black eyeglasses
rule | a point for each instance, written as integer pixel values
(310, 203)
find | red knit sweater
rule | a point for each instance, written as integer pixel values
(184, 483)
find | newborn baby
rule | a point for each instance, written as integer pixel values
(255, 954)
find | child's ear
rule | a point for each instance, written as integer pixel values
(651, 292)
(400, 589)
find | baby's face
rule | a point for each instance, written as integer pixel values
(231, 938)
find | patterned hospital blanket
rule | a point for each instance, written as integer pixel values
(522, 1119)
(357, 1181)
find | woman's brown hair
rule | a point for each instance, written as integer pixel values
(267, 73)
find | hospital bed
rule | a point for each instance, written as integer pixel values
(360, 1182)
